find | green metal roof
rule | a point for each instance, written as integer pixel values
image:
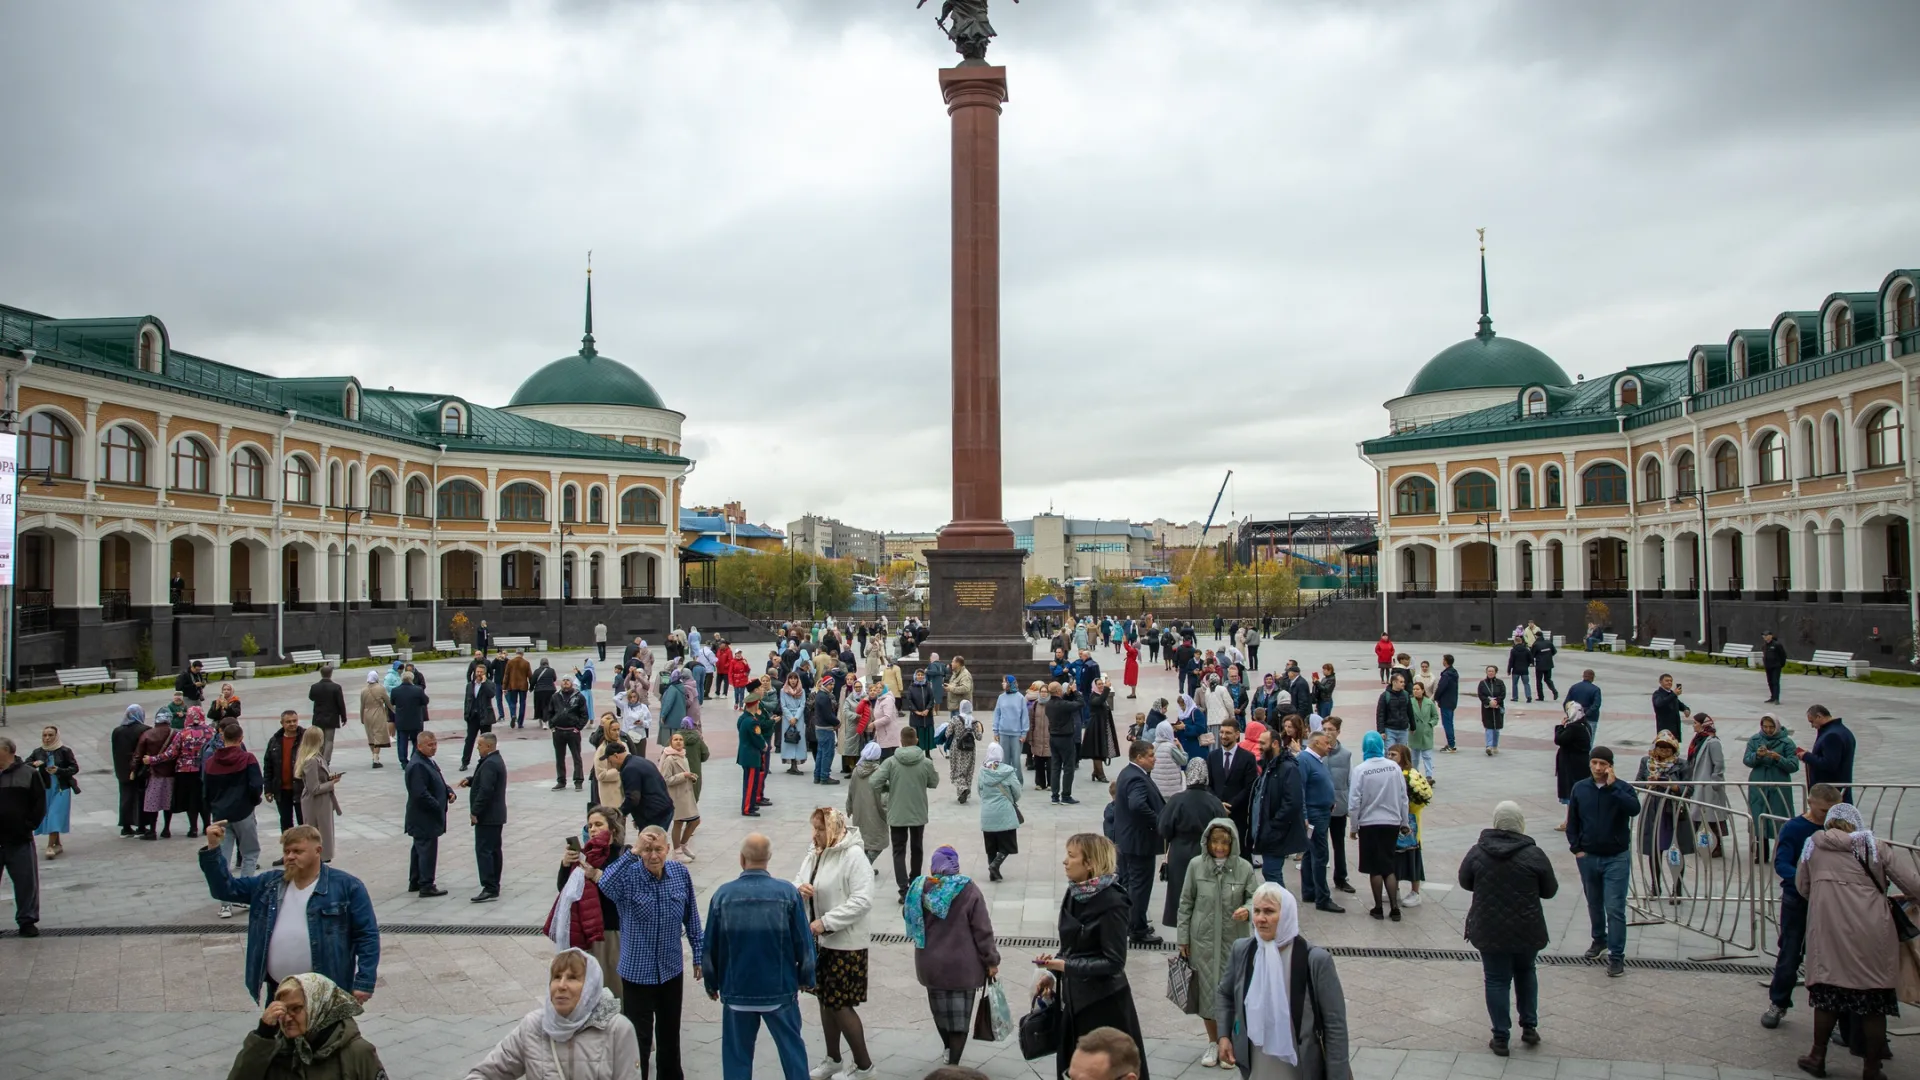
(1486, 360)
(107, 348)
(587, 378)
(1585, 408)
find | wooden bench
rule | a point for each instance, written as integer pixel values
(380, 652)
(1739, 655)
(307, 657)
(513, 641)
(1665, 646)
(214, 665)
(445, 646)
(1833, 661)
(75, 678)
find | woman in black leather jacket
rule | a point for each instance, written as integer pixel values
(1090, 970)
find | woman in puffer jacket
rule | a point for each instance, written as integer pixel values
(577, 1033)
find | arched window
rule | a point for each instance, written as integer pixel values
(450, 418)
(1884, 442)
(380, 492)
(192, 466)
(460, 500)
(1905, 315)
(1726, 467)
(1836, 458)
(353, 483)
(640, 506)
(1686, 477)
(123, 456)
(1604, 484)
(416, 497)
(351, 406)
(596, 505)
(1789, 350)
(1554, 497)
(1650, 479)
(1772, 451)
(1839, 328)
(1414, 495)
(49, 444)
(1630, 393)
(1523, 488)
(249, 475)
(569, 503)
(1699, 373)
(1809, 467)
(333, 484)
(296, 480)
(522, 502)
(1476, 491)
(1536, 403)
(1737, 360)
(149, 350)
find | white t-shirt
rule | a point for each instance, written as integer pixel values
(290, 950)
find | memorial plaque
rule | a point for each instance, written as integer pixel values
(976, 594)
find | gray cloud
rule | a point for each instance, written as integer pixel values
(1230, 230)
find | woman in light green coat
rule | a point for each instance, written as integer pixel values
(1426, 716)
(1213, 915)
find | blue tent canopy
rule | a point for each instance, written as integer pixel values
(1047, 603)
(708, 545)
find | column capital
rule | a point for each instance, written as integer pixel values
(973, 87)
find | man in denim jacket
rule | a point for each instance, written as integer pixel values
(342, 939)
(758, 957)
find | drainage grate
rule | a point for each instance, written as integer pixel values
(1357, 952)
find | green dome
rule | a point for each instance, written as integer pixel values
(587, 378)
(1487, 361)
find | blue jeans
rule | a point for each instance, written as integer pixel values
(739, 1030)
(1604, 877)
(1446, 722)
(1394, 738)
(823, 752)
(1313, 868)
(1793, 949)
(1522, 682)
(1493, 738)
(1502, 970)
(517, 706)
(739, 697)
(1274, 868)
(1423, 760)
(1009, 749)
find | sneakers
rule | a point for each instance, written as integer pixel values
(1210, 1059)
(1772, 1017)
(1595, 950)
(871, 1073)
(1498, 1045)
(1410, 900)
(226, 911)
(1616, 968)
(827, 1069)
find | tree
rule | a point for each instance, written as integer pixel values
(761, 585)
(1036, 588)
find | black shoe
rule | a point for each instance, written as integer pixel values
(1330, 907)
(1498, 1045)
(559, 785)
(963, 796)
(1594, 950)
(766, 802)
(578, 784)
(831, 782)
(148, 836)
(128, 832)
(486, 896)
(993, 871)
(1344, 887)
(1394, 914)
(1056, 800)
(1070, 800)
(1530, 1036)
(377, 765)
(28, 929)
(1374, 912)
(751, 813)
(1148, 938)
(193, 834)
(432, 891)
(464, 766)
(1616, 968)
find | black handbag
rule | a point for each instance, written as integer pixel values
(1902, 925)
(1040, 1028)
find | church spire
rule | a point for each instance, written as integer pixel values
(586, 342)
(1486, 320)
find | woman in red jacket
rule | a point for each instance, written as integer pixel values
(1383, 651)
(1131, 673)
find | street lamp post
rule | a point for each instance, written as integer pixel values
(813, 592)
(346, 547)
(1493, 568)
(566, 588)
(1704, 546)
(46, 480)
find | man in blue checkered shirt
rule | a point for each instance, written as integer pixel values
(654, 895)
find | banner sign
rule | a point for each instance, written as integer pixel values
(9, 496)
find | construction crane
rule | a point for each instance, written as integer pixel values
(1208, 527)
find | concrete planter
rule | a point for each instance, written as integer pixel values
(404, 654)
(1753, 660)
(128, 681)
(540, 644)
(243, 669)
(1857, 669)
(332, 658)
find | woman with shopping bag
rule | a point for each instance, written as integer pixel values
(954, 952)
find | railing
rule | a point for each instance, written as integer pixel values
(33, 618)
(1416, 588)
(635, 594)
(1782, 586)
(458, 596)
(692, 594)
(116, 605)
(1780, 378)
(521, 597)
(1616, 586)
(1479, 588)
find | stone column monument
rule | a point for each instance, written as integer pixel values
(976, 585)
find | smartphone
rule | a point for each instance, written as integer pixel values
(573, 843)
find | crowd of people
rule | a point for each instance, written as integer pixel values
(1215, 794)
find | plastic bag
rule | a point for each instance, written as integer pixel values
(993, 1018)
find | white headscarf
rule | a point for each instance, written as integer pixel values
(871, 752)
(562, 1028)
(1269, 1012)
(1164, 733)
(1861, 838)
(372, 677)
(995, 755)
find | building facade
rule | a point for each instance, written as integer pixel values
(1765, 479)
(1062, 549)
(829, 538)
(178, 503)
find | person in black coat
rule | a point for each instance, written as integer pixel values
(487, 808)
(191, 683)
(1773, 657)
(1573, 741)
(409, 714)
(1830, 761)
(1091, 966)
(1136, 834)
(1509, 876)
(479, 710)
(1519, 668)
(643, 791)
(428, 797)
(1279, 809)
(1668, 708)
(1183, 824)
(1446, 695)
(1543, 652)
(125, 737)
(545, 680)
(329, 709)
(569, 717)
(1231, 772)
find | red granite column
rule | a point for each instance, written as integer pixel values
(974, 96)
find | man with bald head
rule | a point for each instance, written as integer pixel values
(758, 956)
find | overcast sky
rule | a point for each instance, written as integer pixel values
(1231, 228)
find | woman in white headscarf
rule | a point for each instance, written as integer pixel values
(577, 1033)
(999, 809)
(1279, 1005)
(1169, 761)
(376, 715)
(963, 737)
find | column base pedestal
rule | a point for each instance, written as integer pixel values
(976, 601)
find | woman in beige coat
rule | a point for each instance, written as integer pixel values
(959, 684)
(376, 715)
(317, 801)
(681, 780)
(1853, 952)
(606, 778)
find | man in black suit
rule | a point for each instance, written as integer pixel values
(487, 808)
(1300, 692)
(1230, 775)
(1279, 810)
(409, 715)
(479, 711)
(329, 709)
(1136, 834)
(427, 800)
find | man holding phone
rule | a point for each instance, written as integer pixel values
(1600, 812)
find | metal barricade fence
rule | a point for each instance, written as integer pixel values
(1703, 853)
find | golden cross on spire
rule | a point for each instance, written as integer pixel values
(1482, 232)
(590, 256)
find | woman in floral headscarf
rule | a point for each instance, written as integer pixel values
(577, 1033)
(1707, 767)
(954, 951)
(192, 742)
(1665, 826)
(963, 738)
(308, 1033)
